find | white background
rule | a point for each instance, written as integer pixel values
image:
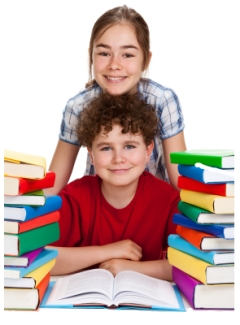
(44, 62)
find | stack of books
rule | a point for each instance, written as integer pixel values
(202, 251)
(30, 223)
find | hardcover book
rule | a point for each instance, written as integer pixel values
(24, 260)
(25, 213)
(199, 269)
(19, 186)
(221, 158)
(32, 198)
(18, 164)
(99, 288)
(203, 216)
(203, 296)
(211, 257)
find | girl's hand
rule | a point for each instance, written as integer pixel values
(124, 249)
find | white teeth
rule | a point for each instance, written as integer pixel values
(115, 78)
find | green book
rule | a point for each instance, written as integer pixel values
(210, 157)
(203, 216)
(19, 244)
(36, 198)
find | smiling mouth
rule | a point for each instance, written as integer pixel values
(115, 79)
(120, 171)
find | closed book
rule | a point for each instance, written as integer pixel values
(32, 198)
(212, 257)
(24, 165)
(222, 231)
(18, 185)
(24, 260)
(25, 213)
(45, 256)
(201, 270)
(32, 279)
(224, 189)
(26, 299)
(203, 216)
(210, 202)
(221, 158)
(203, 296)
(205, 174)
(18, 244)
(204, 241)
(17, 227)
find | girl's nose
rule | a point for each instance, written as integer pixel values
(114, 63)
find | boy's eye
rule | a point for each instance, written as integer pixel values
(105, 148)
(129, 146)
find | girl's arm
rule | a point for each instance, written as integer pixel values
(62, 164)
(175, 143)
(160, 269)
(74, 259)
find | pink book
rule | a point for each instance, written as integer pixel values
(23, 260)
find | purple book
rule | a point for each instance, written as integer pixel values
(202, 296)
(22, 261)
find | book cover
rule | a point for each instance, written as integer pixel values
(203, 216)
(223, 189)
(204, 241)
(203, 296)
(25, 213)
(45, 256)
(212, 257)
(213, 203)
(221, 158)
(32, 279)
(24, 260)
(25, 299)
(19, 186)
(32, 198)
(18, 244)
(205, 174)
(17, 227)
(199, 269)
(223, 231)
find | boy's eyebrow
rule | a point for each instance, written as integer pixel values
(111, 143)
(122, 47)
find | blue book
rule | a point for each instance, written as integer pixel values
(206, 174)
(25, 213)
(100, 294)
(225, 231)
(45, 256)
(211, 257)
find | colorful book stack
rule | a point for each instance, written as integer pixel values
(202, 251)
(30, 224)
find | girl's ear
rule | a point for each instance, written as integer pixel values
(91, 155)
(149, 150)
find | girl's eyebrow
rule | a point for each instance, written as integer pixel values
(122, 47)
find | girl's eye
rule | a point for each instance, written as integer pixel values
(103, 54)
(128, 55)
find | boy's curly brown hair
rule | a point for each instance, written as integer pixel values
(129, 111)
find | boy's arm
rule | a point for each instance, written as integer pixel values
(74, 259)
(160, 269)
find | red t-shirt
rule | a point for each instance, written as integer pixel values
(87, 219)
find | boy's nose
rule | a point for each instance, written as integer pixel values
(118, 157)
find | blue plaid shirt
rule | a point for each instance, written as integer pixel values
(168, 110)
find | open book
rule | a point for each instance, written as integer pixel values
(99, 288)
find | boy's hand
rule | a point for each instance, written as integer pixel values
(124, 249)
(117, 265)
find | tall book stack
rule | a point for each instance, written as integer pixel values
(30, 224)
(202, 251)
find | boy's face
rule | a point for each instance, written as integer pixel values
(119, 159)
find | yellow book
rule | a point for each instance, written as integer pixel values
(199, 269)
(210, 202)
(18, 164)
(32, 279)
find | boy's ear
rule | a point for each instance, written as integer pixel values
(91, 155)
(149, 150)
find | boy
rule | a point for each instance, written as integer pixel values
(120, 218)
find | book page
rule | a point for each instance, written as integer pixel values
(133, 283)
(92, 281)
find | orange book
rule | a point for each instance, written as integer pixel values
(204, 241)
(42, 287)
(16, 227)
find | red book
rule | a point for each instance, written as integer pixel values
(17, 227)
(224, 189)
(18, 185)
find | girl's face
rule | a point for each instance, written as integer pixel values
(117, 60)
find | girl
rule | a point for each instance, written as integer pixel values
(119, 53)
